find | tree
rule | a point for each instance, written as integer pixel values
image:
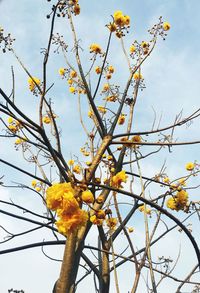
(95, 191)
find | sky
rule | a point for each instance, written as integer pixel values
(172, 85)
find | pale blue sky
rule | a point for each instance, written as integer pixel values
(172, 80)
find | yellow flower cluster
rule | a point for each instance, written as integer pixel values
(95, 48)
(36, 185)
(13, 125)
(32, 83)
(179, 201)
(120, 19)
(60, 197)
(119, 178)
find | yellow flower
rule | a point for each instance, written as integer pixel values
(136, 138)
(33, 183)
(106, 87)
(88, 163)
(73, 74)
(19, 141)
(72, 89)
(77, 169)
(95, 48)
(111, 223)
(127, 19)
(112, 27)
(70, 81)
(119, 178)
(137, 75)
(166, 180)
(87, 196)
(166, 26)
(77, 9)
(182, 182)
(90, 114)
(110, 158)
(98, 70)
(69, 205)
(46, 119)
(111, 69)
(96, 221)
(100, 214)
(102, 109)
(97, 180)
(32, 83)
(132, 49)
(179, 201)
(142, 208)
(144, 44)
(108, 76)
(120, 19)
(111, 98)
(10, 120)
(189, 166)
(71, 223)
(171, 203)
(38, 188)
(56, 193)
(62, 71)
(130, 229)
(100, 199)
(121, 119)
(71, 162)
(12, 128)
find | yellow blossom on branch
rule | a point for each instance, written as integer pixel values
(32, 83)
(121, 119)
(120, 19)
(179, 201)
(56, 193)
(68, 224)
(119, 178)
(77, 169)
(33, 183)
(62, 71)
(87, 196)
(145, 209)
(71, 162)
(46, 119)
(111, 223)
(96, 221)
(72, 89)
(166, 26)
(102, 109)
(98, 70)
(137, 76)
(95, 48)
(189, 166)
(132, 49)
(77, 9)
